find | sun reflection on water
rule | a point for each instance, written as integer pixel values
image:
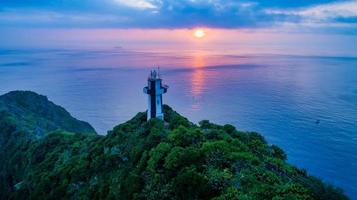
(197, 79)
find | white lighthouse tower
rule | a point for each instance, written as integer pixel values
(155, 89)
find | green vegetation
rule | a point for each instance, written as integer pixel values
(171, 159)
(26, 117)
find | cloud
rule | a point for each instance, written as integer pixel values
(331, 11)
(336, 14)
(137, 13)
(140, 4)
(41, 18)
(177, 14)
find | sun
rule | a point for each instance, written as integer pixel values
(199, 33)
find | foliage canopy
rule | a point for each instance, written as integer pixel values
(139, 159)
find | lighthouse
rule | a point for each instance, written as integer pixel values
(154, 90)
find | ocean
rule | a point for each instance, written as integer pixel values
(305, 104)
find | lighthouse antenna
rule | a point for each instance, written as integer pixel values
(158, 72)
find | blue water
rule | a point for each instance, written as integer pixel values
(282, 97)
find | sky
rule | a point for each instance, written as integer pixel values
(318, 27)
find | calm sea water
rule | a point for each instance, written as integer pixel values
(282, 97)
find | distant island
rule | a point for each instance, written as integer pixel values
(45, 153)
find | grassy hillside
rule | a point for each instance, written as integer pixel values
(171, 159)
